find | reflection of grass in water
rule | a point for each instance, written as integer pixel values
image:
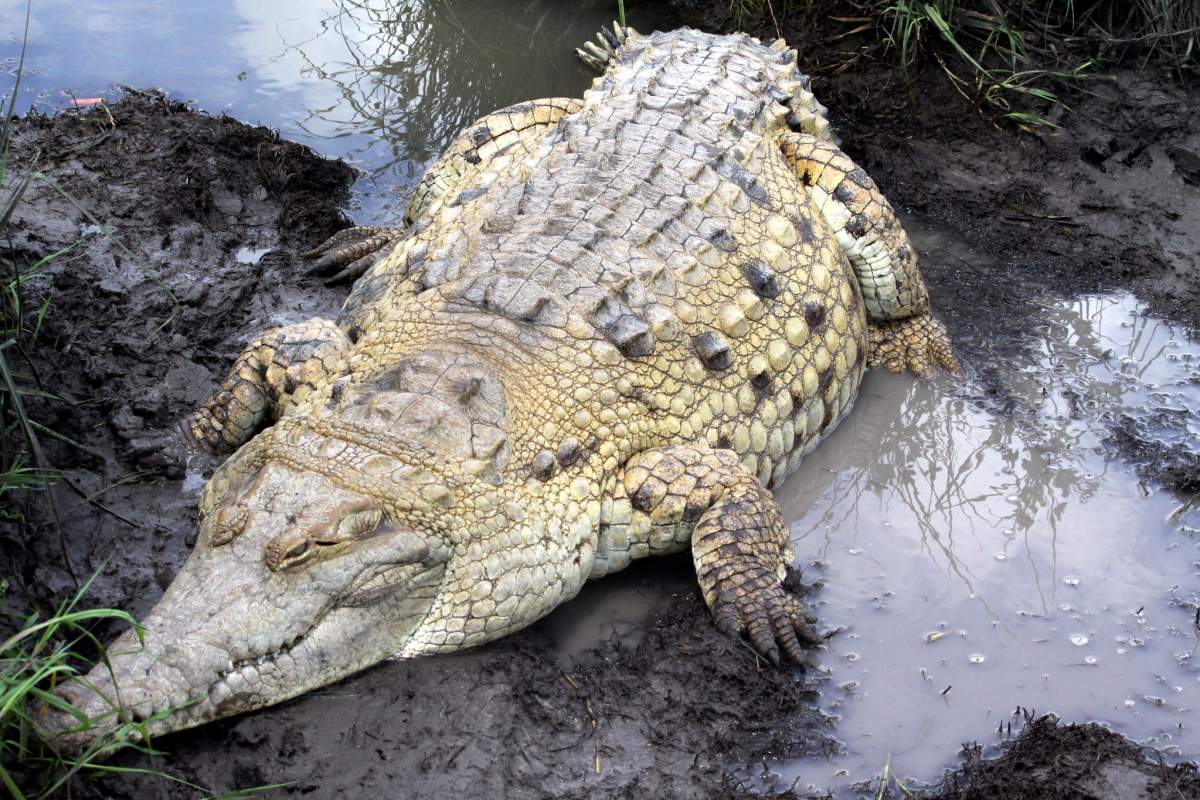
(415, 74)
(913, 460)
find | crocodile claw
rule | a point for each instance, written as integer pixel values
(353, 250)
(599, 53)
(918, 344)
(771, 617)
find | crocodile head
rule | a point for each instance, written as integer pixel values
(296, 580)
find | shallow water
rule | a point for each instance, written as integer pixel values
(384, 84)
(982, 564)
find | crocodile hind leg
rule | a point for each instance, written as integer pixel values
(352, 251)
(275, 370)
(904, 333)
(460, 170)
(740, 545)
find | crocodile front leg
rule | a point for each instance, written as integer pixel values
(275, 370)
(740, 545)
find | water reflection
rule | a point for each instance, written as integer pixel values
(411, 75)
(383, 83)
(1002, 560)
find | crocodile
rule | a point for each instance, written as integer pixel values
(605, 330)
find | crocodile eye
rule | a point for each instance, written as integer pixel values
(358, 525)
(297, 550)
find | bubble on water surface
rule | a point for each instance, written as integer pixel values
(1072, 580)
(1079, 639)
(977, 658)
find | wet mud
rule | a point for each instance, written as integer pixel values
(208, 216)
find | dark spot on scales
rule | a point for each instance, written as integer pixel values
(761, 381)
(828, 418)
(472, 157)
(762, 279)
(859, 176)
(823, 381)
(692, 512)
(469, 389)
(804, 228)
(643, 498)
(843, 193)
(569, 452)
(631, 335)
(722, 239)
(814, 315)
(713, 350)
(857, 225)
(481, 135)
(798, 404)
(731, 170)
(625, 329)
(468, 196)
(543, 465)
(723, 441)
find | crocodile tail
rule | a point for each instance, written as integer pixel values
(600, 53)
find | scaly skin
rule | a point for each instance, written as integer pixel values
(609, 326)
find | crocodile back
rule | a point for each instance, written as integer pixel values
(651, 261)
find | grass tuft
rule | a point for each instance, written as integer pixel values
(1009, 58)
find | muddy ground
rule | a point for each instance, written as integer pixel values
(210, 216)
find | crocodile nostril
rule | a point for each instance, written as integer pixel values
(229, 523)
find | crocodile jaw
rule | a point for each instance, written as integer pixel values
(231, 636)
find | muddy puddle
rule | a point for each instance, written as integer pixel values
(986, 565)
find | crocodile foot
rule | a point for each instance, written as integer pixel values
(354, 250)
(598, 54)
(756, 603)
(918, 343)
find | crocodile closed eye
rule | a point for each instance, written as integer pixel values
(356, 526)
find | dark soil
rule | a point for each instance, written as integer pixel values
(1069, 762)
(139, 334)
